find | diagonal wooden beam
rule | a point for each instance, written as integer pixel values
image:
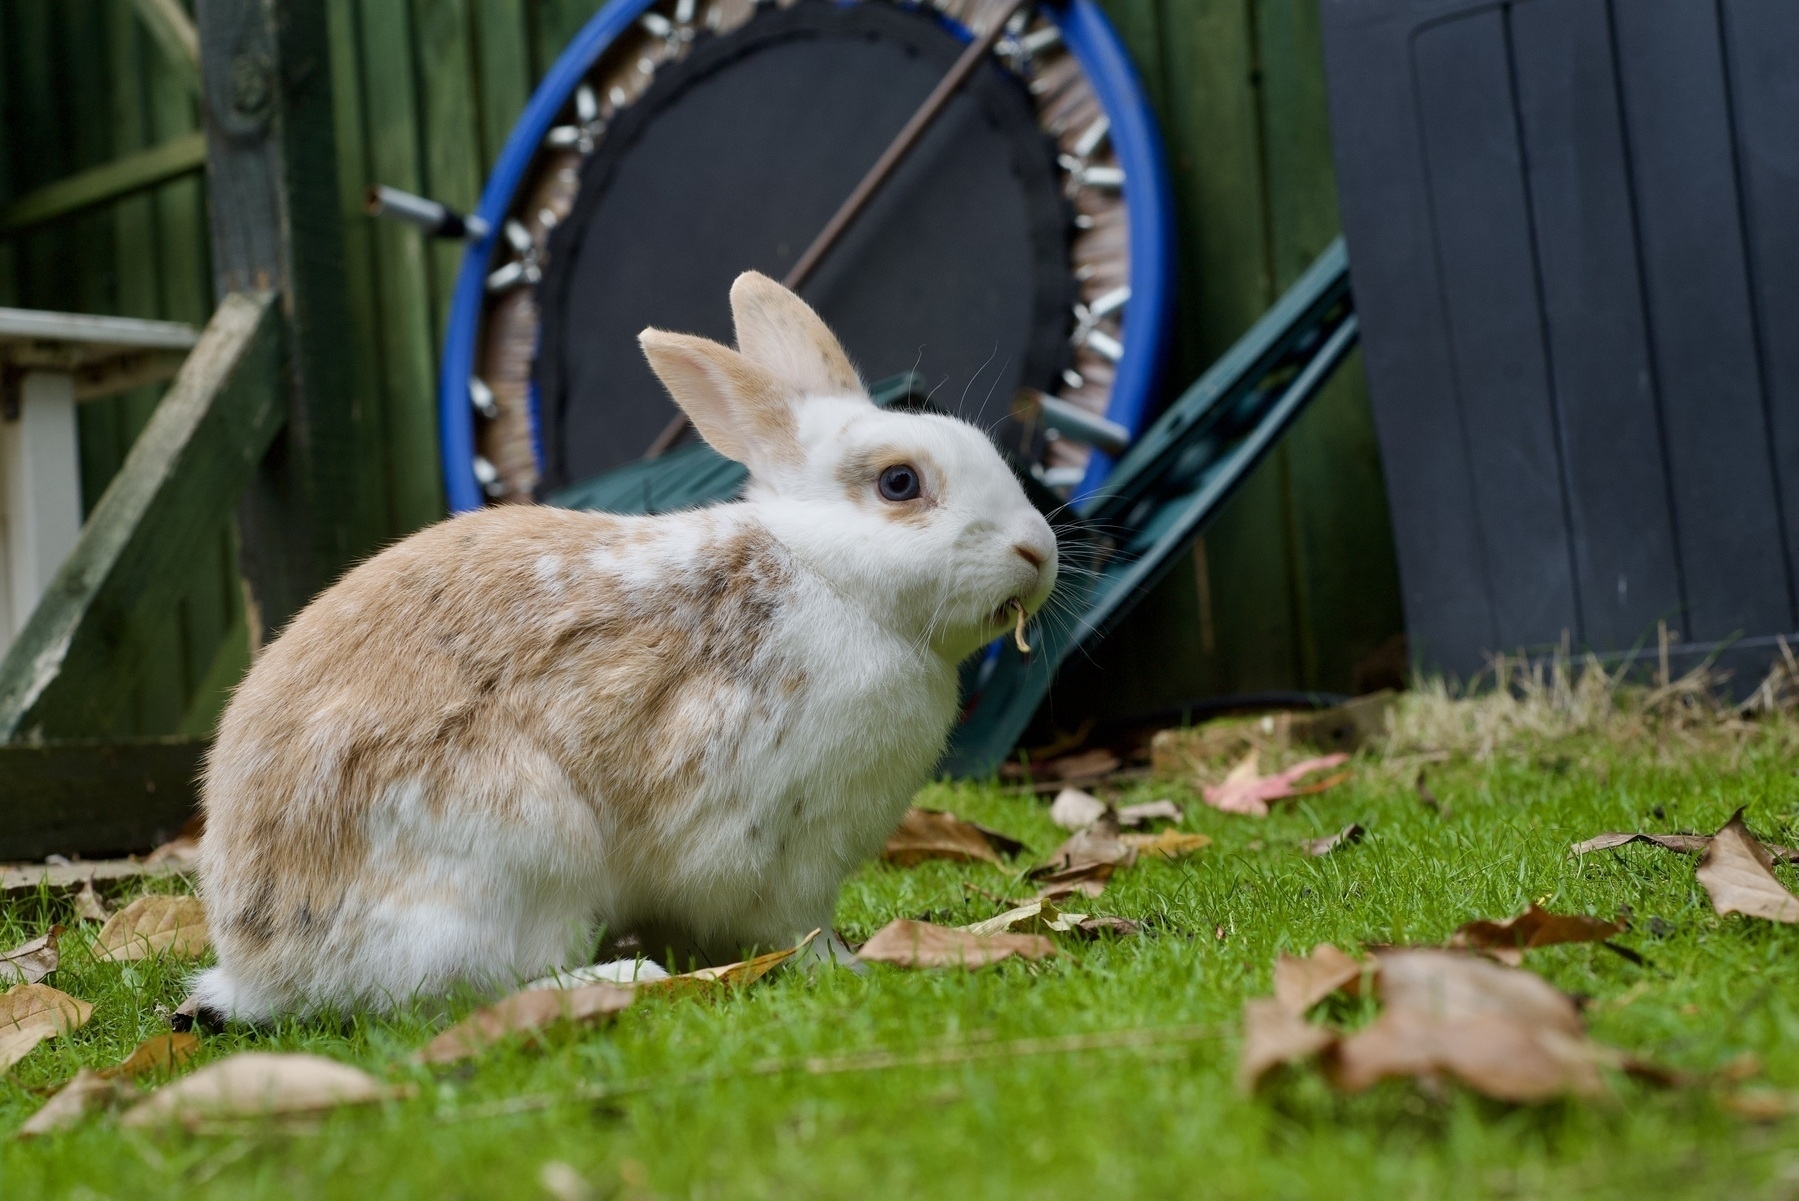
(69, 671)
(109, 181)
(174, 31)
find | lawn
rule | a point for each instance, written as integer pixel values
(677, 1098)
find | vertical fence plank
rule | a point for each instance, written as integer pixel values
(554, 23)
(409, 370)
(448, 130)
(503, 50)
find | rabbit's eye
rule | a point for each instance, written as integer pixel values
(899, 482)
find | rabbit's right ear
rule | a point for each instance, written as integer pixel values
(740, 409)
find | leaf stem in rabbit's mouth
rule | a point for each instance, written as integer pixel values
(1017, 606)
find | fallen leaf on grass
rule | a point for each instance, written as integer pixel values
(1132, 816)
(1076, 810)
(31, 1013)
(1501, 1030)
(933, 834)
(1684, 844)
(1245, 790)
(1041, 916)
(1085, 862)
(90, 1090)
(173, 925)
(1169, 844)
(907, 943)
(256, 1084)
(1300, 984)
(87, 1092)
(30, 962)
(1317, 847)
(89, 905)
(1273, 1034)
(1738, 873)
(159, 1053)
(525, 1013)
(1761, 1104)
(1085, 765)
(731, 975)
(1429, 800)
(1536, 927)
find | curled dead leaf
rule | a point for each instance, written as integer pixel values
(1501, 1030)
(906, 943)
(1274, 1034)
(257, 1084)
(1300, 983)
(151, 925)
(933, 834)
(1149, 811)
(1684, 844)
(90, 906)
(1076, 810)
(30, 962)
(731, 975)
(1317, 847)
(526, 1013)
(1168, 844)
(1246, 790)
(1041, 916)
(88, 1092)
(1536, 927)
(159, 1053)
(1086, 861)
(32, 1013)
(1738, 873)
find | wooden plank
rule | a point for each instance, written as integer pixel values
(360, 298)
(409, 368)
(1726, 502)
(98, 185)
(275, 222)
(174, 32)
(95, 798)
(88, 635)
(449, 132)
(503, 48)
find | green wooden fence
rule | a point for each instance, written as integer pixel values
(1293, 586)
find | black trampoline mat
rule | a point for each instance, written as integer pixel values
(734, 159)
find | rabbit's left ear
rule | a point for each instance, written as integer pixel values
(739, 408)
(780, 333)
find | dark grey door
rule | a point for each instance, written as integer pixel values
(1574, 234)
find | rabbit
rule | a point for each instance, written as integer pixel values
(526, 725)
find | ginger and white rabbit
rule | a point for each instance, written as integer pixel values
(526, 724)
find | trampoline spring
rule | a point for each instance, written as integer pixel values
(1109, 303)
(684, 12)
(513, 274)
(482, 397)
(1036, 42)
(656, 25)
(488, 476)
(1092, 136)
(1102, 177)
(587, 105)
(1099, 341)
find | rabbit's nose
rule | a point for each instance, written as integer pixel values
(1029, 555)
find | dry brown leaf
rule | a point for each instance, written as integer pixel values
(1246, 790)
(255, 1084)
(149, 925)
(526, 1013)
(731, 975)
(1685, 844)
(31, 1013)
(1132, 816)
(1083, 766)
(90, 906)
(1300, 984)
(160, 1053)
(933, 834)
(1536, 927)
(30, 962)
(1033, 917)
(1502, 1030)
(1076, 810)
(87, 1092)
(1086, 861)
(1761, 1104)
(1738, 873)
(1169, 844)
(1274, 1034)
(1316, 847)
(906, 943)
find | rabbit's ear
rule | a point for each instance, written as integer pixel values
(779, 331)
(743, 411)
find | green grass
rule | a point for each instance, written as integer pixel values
(1144, 1122)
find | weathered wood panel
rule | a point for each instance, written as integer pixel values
(95, 798)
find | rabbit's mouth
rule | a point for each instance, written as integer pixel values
(1014, 614)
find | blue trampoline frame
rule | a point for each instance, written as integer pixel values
(1088, 36)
